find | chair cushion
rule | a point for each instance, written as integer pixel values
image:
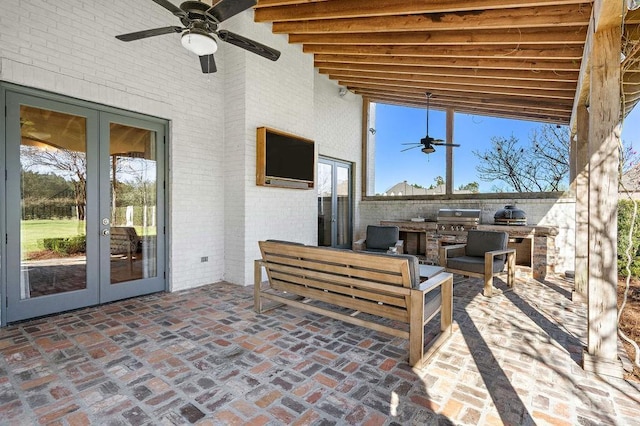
(480, 242)
(474, 264)
(414, 266)
(382, 237)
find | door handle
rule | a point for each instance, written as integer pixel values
(105, 232)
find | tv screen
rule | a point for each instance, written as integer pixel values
(285, 157)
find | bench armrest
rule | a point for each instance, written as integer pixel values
(432, 283)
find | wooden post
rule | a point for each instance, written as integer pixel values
(582, 203)
(449, 151)
(367, 147)
(604, 118)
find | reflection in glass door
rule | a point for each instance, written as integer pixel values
(132, 215)
(82, 215)
(334, 203)
(50, 262)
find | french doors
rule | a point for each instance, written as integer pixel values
(334, 203)
(84, 206)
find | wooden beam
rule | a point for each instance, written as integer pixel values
(525, 17)
(444, 100)
(466, 106)
(521, 93)
(510, 114)
(449, 182)
(601, 356)
(608, 13)
(463, 81)
(581, 161)
(534, 76)
(509, 36)
(365, 170)
(468, 63)
(356, 8)
(538, 53)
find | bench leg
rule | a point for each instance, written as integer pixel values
(488, 275)
(257, 282)
(416, 328)
(511, 269)
(446, 313)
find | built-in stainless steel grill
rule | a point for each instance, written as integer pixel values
(457, 221)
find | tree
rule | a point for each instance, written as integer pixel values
(439, 181)
(68, 164)
(471, 186)
(541, 166)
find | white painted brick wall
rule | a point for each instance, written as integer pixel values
(68, 47)
(216, 210)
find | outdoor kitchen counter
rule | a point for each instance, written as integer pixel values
(521, 230)
(417, 236)
(535, 246)
(410, 226)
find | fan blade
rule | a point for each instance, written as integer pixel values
(171, 8)
(208, 64)
(407, 149)
(444, 144)
(225, 9)
(248, 44)
(149, 33)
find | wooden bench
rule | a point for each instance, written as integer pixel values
(353, 285)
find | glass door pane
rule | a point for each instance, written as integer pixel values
(51, 207)
(343, 206)
(131, 210)
(325, 203)
(53, 165)
(334, 203)
(133, 182)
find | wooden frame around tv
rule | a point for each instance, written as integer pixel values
(262, 179)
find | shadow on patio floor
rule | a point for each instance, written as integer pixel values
(203, 356)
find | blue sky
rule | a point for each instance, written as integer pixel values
(397, 125)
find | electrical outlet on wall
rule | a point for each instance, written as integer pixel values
(204, 259)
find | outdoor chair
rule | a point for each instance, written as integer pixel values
(124, 240)
(380, 239)
(483, 256)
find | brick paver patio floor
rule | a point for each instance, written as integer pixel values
(204, 356)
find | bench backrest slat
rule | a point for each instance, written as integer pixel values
(332, 256)
(376, 281)
(366, 306)
(350, 291)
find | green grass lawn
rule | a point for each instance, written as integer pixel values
(34, 231)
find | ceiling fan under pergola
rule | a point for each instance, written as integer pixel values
(200, 25)
(427, 143)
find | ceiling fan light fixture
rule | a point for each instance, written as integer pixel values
(199, 42)
(428, 149)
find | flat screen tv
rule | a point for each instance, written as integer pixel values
(284, 160)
